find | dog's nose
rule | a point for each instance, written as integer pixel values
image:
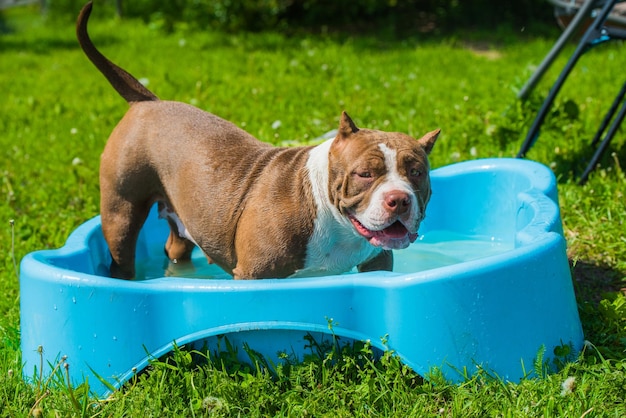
(397, 202)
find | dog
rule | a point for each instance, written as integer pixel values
(255, 210)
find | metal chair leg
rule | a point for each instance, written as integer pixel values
(594, 35)
(583, 13)
(609, 116)
(604, 144)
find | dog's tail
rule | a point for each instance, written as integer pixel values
(126, 85)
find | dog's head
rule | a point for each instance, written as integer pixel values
(380, 182)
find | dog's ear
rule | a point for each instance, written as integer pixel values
(428, 140)
(346, 126)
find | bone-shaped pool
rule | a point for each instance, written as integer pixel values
(486, 286)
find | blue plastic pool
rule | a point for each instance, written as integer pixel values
(487, 286)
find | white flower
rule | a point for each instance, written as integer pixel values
(568, 385)
(211, 403)
(276, 124)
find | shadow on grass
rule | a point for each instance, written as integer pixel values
(365, 36)
(4, 27)
(594, 281)
(46, 45)
(573, 163)
(37, 46)
(599, 291)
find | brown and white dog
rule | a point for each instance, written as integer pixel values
(255, 210)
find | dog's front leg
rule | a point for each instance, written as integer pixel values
(383, 261)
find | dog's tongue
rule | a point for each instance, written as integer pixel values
(394, 231)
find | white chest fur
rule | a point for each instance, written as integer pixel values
(335, 247)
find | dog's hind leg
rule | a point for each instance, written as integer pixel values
(121, 223)
(177, 248)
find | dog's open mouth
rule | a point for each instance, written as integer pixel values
(395, 236)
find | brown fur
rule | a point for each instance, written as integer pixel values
(139, 154)
(248, 205)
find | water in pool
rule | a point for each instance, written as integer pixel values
(432, 250)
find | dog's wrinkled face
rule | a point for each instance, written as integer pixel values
(380, 182)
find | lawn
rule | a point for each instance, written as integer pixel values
(56, 112)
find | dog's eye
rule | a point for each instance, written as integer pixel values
(414, 172)
(364, 174)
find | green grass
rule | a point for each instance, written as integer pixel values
(56, 112)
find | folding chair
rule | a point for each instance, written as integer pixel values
(598, 32)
